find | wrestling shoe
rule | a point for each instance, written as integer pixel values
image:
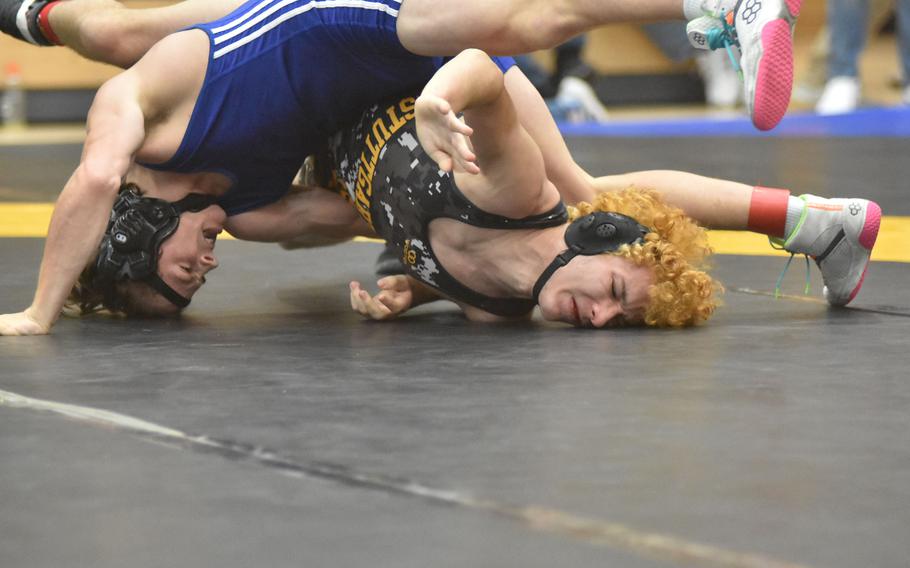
(19, 18)
(839, 235)
(762, 30)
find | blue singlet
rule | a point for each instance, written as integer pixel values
(283, 76)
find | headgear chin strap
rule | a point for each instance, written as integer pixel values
(137, 227)
(596, 233)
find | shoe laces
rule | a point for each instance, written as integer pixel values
(780, 279)
(725, 37)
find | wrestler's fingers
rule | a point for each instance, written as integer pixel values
(363, 303)
(442, 159)
(441, 105)
(375, 308)
(356, 303)
(466, 157)
(391, 301)
(396, 282)
(459, 126)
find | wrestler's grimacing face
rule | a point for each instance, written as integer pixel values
(597, 291)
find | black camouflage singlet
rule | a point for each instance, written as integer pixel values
(398, 189)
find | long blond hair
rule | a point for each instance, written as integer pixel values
(676, 250)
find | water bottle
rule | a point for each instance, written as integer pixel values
(12, 104)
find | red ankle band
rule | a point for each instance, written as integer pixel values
(44, 23)
(768, 211)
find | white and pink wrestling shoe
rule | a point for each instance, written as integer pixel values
(839, 234)
(762, 30)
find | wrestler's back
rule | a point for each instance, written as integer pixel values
(280, 79)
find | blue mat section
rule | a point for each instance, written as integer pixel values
(877, 122)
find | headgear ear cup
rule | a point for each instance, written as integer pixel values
(595, 233)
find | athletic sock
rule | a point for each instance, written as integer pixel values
(44, 23)
(795, 209)
(768, 211)
(694, 9)
(19, 19)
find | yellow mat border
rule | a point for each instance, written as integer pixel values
(30, 220)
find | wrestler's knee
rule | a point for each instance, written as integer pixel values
(503, 28)
(540, 24)
(113, 37)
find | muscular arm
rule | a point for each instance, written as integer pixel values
(302, 212)
(714, 203)
(512, 181)
(572, 181)
(115, 131)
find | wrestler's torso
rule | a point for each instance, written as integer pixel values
(280, 77)
(400, 191)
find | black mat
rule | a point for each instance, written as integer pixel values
(775, 434)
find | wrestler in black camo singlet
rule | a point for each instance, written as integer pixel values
(399, 189)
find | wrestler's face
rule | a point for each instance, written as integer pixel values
(189, 254)
(597, 291)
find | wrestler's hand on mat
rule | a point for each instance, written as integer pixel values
(21, 324)
(394, 298)
(443, 135)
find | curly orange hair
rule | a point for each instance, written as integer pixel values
(676, 250)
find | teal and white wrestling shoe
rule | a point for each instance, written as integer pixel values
(758, 35)
(839, 234)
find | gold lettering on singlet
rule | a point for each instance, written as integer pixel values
(409, 256)
(375, 140)
(396, 121)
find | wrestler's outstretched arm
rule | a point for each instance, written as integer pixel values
(303, 212)
(115, 131)
(117, 125)
(714, 203)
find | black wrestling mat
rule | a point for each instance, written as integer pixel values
(281, 429)
(272, 426)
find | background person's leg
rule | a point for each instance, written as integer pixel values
(903, 35)
(847, 20)
(848, 23)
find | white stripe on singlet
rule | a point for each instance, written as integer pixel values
(247, 20)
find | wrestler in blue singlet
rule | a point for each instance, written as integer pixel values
(283, 76)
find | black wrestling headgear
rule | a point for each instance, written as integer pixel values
(137, 227)
(592, 234)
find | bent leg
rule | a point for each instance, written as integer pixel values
(106, 31)
(507, 27)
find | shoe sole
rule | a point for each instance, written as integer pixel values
(774, 80)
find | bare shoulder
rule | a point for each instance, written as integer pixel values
(173, 70)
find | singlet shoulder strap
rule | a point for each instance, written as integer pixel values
(458, 207)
